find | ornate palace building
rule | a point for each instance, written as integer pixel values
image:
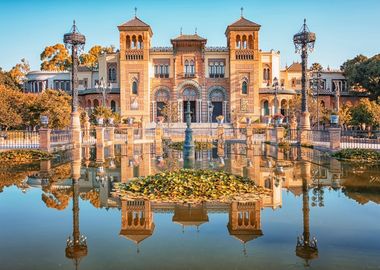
(235, 81)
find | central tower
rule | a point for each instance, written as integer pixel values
(243, 45)
(135, 36)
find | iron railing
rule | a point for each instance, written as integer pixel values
(19, 139)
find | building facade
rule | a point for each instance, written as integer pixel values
(235, 81)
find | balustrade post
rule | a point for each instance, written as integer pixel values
(249, 136)
(220, 134)
(111, 133)
(45, 139)
(130, 135)
(280, 134)
(99, 135)
(335, 138)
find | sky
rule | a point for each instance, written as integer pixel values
(344, 28)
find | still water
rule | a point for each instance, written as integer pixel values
(60, 214)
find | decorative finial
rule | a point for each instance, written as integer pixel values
(195, 30)
(135, 12)
(74, 27)
(180, 31)
(241, 11)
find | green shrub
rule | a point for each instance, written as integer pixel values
(23, 156)
(367, 155)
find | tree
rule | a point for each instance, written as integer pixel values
(55, 58)
(14, 107)
(366, 114)
(345, 116)
(90, 59)
(19, 71)
(316, 67)
(7, 80)
(57, 106)
(363, 73)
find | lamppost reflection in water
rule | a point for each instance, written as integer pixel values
(306, 248)
(76, 245)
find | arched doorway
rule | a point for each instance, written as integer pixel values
(190, 95)
(265, 108)
(216, 99)
(162, 98)
(113, 105)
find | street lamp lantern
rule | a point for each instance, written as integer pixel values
(304, 42)
(103, 88)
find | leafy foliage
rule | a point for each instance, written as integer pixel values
(19, 71)
(198, 145)
(90, 59)
(191, 185)
(363, 72)
(367, 155)
(6, 80)
(366, 113)
(23, 156)
(316, 67)
(55, 58)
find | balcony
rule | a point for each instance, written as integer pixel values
(244, 54)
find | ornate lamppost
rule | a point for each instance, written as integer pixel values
(304, 42)
(275, 87)
(74, 41)
(317, 83)
(210, 112)
(103, 88)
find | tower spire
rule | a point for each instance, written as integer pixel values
(195, 30)
(241, 11)
(135, 12)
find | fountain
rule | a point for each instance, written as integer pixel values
(188, 147)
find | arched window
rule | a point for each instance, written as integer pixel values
(186, 66)
(140, 43)
(134, 88)
(192, 69)
(238, 42)
(89, 103)
(250, 42)
(244, 88)
(96, 103)
(244, 42)
(128, 42)
(112, 74)
(113, 105)
(134, 42)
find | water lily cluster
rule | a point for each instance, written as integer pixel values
(189, 185)
(198, 145)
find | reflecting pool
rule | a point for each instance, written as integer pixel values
(62, 214)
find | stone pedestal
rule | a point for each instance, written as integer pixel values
(335, 138)
(130, 135)
(76, 138)
(99, 136)
(249, 137)
(158, 134)
(100, 153)
(45, 139)
(86, 130)
(220, 134)
(280, 134)
(267, 134)
(305, 121)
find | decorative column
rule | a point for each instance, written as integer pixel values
(225, 110)
(188, 147)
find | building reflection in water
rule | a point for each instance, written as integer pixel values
(136, 220)
(276, 169)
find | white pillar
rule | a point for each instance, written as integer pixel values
(208, 113)
(199, 110)
(225, 110)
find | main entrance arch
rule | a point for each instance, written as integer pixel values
(189, 90)
(217, 98)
